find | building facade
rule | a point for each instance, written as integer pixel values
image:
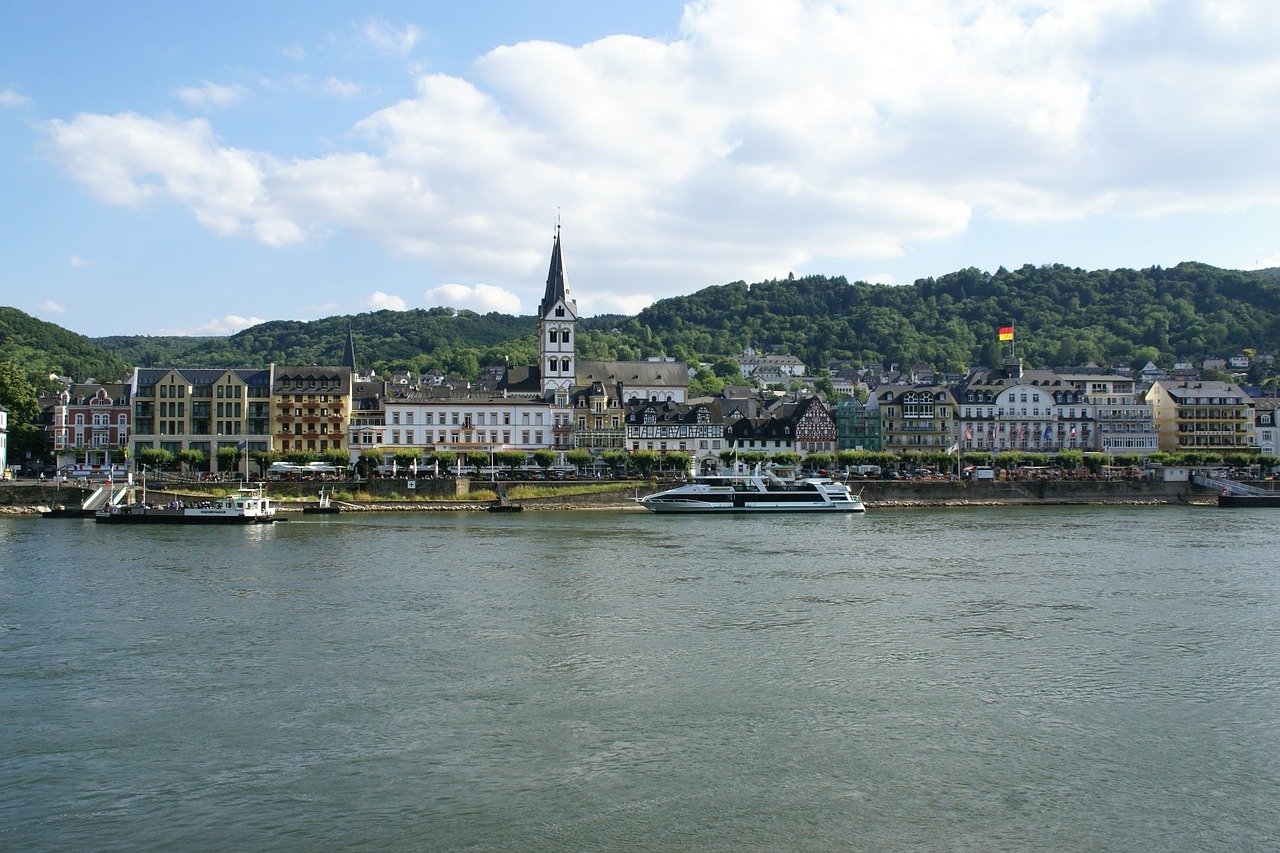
(1122, 422)
(312, 409)
(201, 410)
(1203, 416)
(857, 426)
(477, 426)
(916, 417)
(90, 426)
(694, 429)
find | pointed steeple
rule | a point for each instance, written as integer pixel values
(349, 355)
(557, 282)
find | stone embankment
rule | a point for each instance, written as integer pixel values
(25, 499)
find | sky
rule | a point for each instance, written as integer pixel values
(195, 169)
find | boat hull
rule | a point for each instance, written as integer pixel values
(1249, 500)
(751, 506)
(162, 516)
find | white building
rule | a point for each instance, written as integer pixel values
(4, 441)
(472, 425)
(1265, 429)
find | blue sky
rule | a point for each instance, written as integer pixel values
(183, 169)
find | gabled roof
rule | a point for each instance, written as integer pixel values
(204, 375)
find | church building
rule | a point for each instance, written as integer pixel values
(560, 376)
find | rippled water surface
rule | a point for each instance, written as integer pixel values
(960, 680)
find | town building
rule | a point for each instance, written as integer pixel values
(813, 425)
(1009, 408)
(1266, 427)
(1203, 416)
(204, 410)
(857, 425)
(90, 427)
(694, 429)
(476, 426)
(4, 443)
(1122, 421)
(312, 409)
(598, 419)
(921, 418)
(769, 369)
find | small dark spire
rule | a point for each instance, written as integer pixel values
(349, 357)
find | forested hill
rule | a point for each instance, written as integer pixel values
(1062, 316)
(455, 341)
(40, 348)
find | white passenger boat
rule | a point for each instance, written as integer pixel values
(756, 492)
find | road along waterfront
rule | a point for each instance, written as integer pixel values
(1021, 678)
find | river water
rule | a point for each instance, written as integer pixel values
(993, 679)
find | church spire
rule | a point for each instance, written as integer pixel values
(557, 282)
(349, 355)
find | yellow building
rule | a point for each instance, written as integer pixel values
(204, 410)
(1202, 416)
(916, 417)
(311, 408)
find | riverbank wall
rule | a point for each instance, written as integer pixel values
(445, 494)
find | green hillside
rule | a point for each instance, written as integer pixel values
(1063, 316)
(39, 348)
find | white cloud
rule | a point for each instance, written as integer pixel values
(11, 98)
(77, 261)
(128, 159)
(294, 51)
(388, 39)
(210, 95)
(608, 302)
(767, 134)
(379, 301)
(52, 307)
(228, 325)
(340, 88)
(482, 298)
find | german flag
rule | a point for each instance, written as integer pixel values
(1006, 333)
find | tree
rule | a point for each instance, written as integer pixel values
(644, 461)
(615, 459)
(263, 459)
(17, 395)
(228, 458)
(676, 460)
(545, 458)
(510, 459)
(156, 459)
(580, 459)
(190, 459)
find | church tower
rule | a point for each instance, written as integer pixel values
(557, 324)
